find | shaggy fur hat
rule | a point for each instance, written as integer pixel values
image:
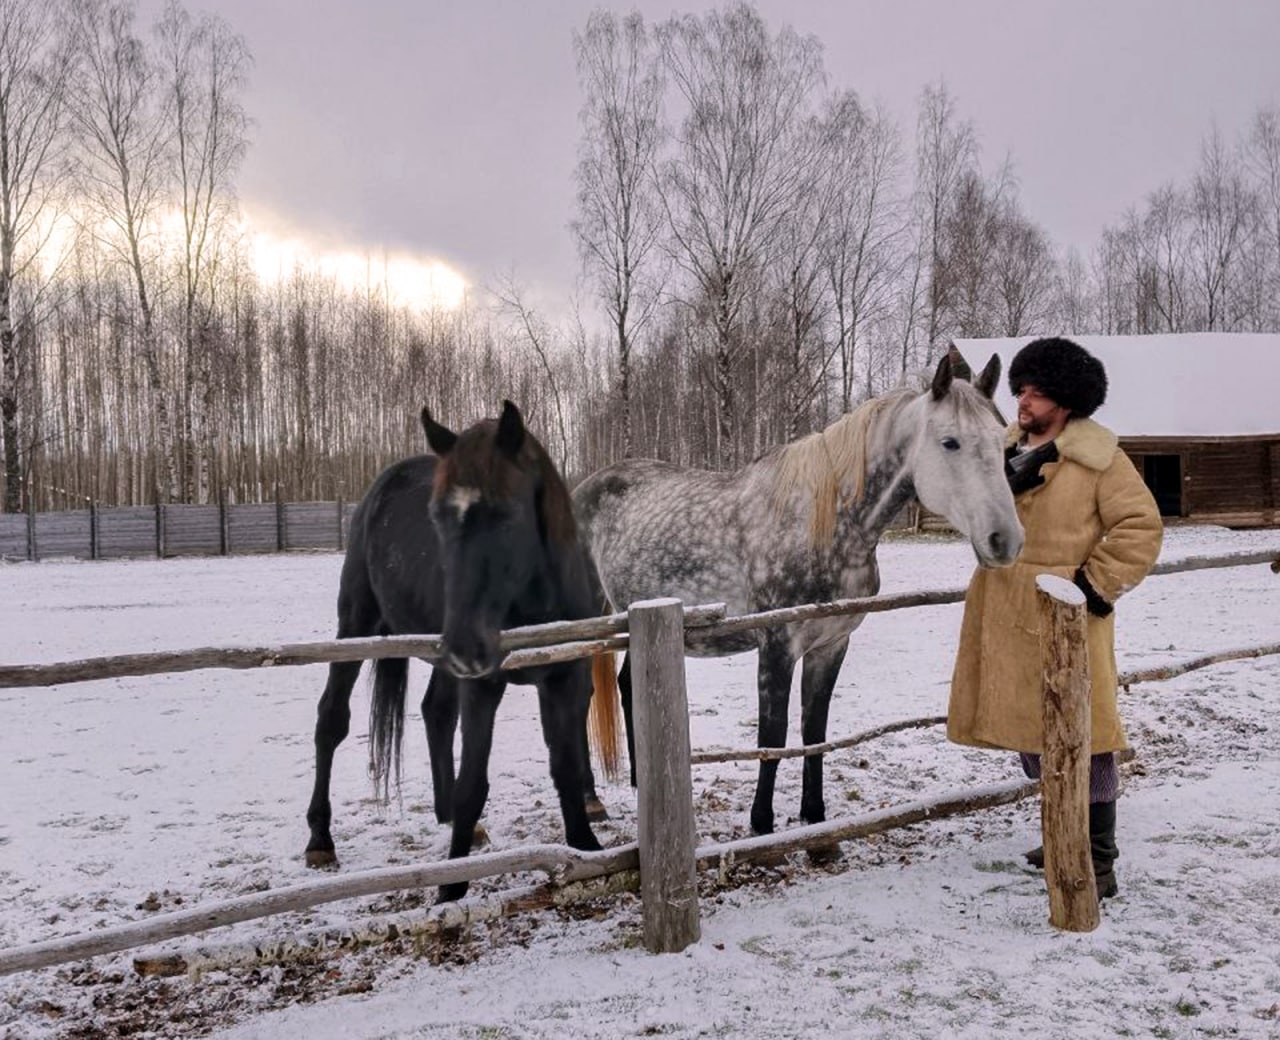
(1063, 371)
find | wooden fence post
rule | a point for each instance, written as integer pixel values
(161, 533)
(224, 532)
(665, 825)
(94, 550)
(1064, 783)
(33, 550)
(282, 536)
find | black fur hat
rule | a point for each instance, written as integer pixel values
(1063, 371)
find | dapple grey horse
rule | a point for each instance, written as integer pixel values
(800, 525)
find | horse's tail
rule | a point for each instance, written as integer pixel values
(603, 727)
(386, 722)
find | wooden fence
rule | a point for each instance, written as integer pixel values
(218, 529)
(666, 855)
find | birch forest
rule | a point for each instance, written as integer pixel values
(761, 250)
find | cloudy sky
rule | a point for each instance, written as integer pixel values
(449, 129)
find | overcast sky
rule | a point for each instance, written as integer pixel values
(450, 129)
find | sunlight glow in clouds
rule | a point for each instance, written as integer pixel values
(407, 281)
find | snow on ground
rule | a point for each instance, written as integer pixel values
(127, 797)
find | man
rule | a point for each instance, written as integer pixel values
(1089, 518)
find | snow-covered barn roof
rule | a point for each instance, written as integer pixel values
(1201, 384)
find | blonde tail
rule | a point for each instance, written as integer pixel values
(603, 727)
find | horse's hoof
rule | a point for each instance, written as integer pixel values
(596, 810)
(319, 859)
(770, 859)
(479, 838)
(825, 855)
(451, 893)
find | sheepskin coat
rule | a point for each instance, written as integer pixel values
(1093, 509)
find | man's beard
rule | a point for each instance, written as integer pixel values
(1031, 425)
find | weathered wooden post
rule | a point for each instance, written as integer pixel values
(33, 550)
(224, 529)
(162, 533)
(1064, 784)
(94, 551)
(282, 536)
(667, 837)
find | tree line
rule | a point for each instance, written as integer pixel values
(761, 250)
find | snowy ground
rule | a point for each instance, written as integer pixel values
(129, 797)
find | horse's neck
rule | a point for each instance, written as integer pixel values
(888, 484)
(561, 584)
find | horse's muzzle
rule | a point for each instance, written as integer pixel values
(1000, 548)
(472, 655)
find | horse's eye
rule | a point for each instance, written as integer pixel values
(951, 444)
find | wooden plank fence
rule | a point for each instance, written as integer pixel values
(668, 856)
(216, 529)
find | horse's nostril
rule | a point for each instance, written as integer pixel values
(997, 543)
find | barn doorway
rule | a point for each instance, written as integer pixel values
(1163, 475)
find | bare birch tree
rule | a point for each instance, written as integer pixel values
(946, 151)
(125, 134)
(36, 61)
(206, 65)
(865, 229)
(734, 177)
(1221, 210)
(619, 222)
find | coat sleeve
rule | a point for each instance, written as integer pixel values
(1132, 532)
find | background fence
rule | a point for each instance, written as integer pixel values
(175, 530)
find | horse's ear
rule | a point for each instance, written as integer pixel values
(959, 366)
(989, 378)
(510, 429)
(942, 378)
(439, 438)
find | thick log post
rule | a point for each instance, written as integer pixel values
(665, 828)
(1064, 805)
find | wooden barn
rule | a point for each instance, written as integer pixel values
(1199, 414)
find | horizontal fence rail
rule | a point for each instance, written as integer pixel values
(536, 644)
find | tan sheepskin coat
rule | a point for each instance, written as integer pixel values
(996, 697)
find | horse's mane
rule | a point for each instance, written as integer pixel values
(831, 465)
(477, 462)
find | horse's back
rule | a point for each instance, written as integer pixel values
(657, 529)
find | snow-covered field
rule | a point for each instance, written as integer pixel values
(129, 797)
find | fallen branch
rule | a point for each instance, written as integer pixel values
(823, 835)
(720, 857)
(559, 861)
(699, 758)
(1169, 671)
(415, 925)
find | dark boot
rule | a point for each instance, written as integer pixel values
(1102, 846)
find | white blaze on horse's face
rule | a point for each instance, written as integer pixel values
(958, 471)
(461, 499)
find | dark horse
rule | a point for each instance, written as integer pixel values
(475, 539)
(800, 525)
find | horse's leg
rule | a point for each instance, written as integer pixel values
(478, 700)
(563, 700)
(440, 716)
(624, 688)
(818, 678)
(333, 721)
(773, 681)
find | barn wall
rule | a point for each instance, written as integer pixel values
(1233, 481)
